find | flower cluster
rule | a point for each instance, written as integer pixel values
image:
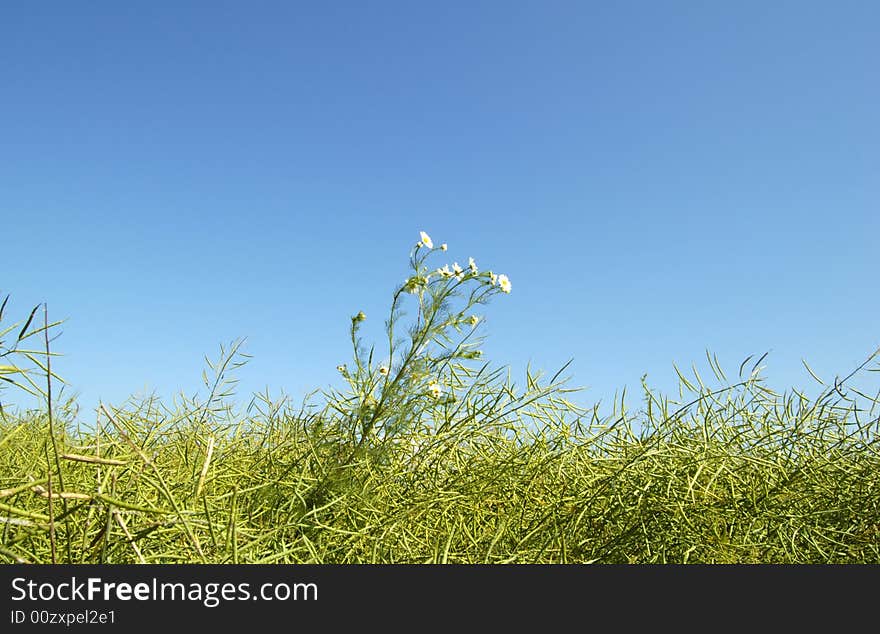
(429, 364)
(413, 284)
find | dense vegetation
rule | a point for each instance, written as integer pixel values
(431, 455)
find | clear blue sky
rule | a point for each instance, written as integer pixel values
(656, 178)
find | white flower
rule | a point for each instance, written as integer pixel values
(493, 279)
(412, 284)
(474, 320)
(426, 240)
(445, 272)
(504, 283)
(383, 370)
(342, 369)
(457, 270)
(435, 390)
(472, 265)
(443, 247)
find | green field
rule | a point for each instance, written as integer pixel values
(432, 455)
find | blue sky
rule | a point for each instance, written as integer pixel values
(655, 178)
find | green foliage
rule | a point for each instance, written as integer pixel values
(22, 355)
(429, 455)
